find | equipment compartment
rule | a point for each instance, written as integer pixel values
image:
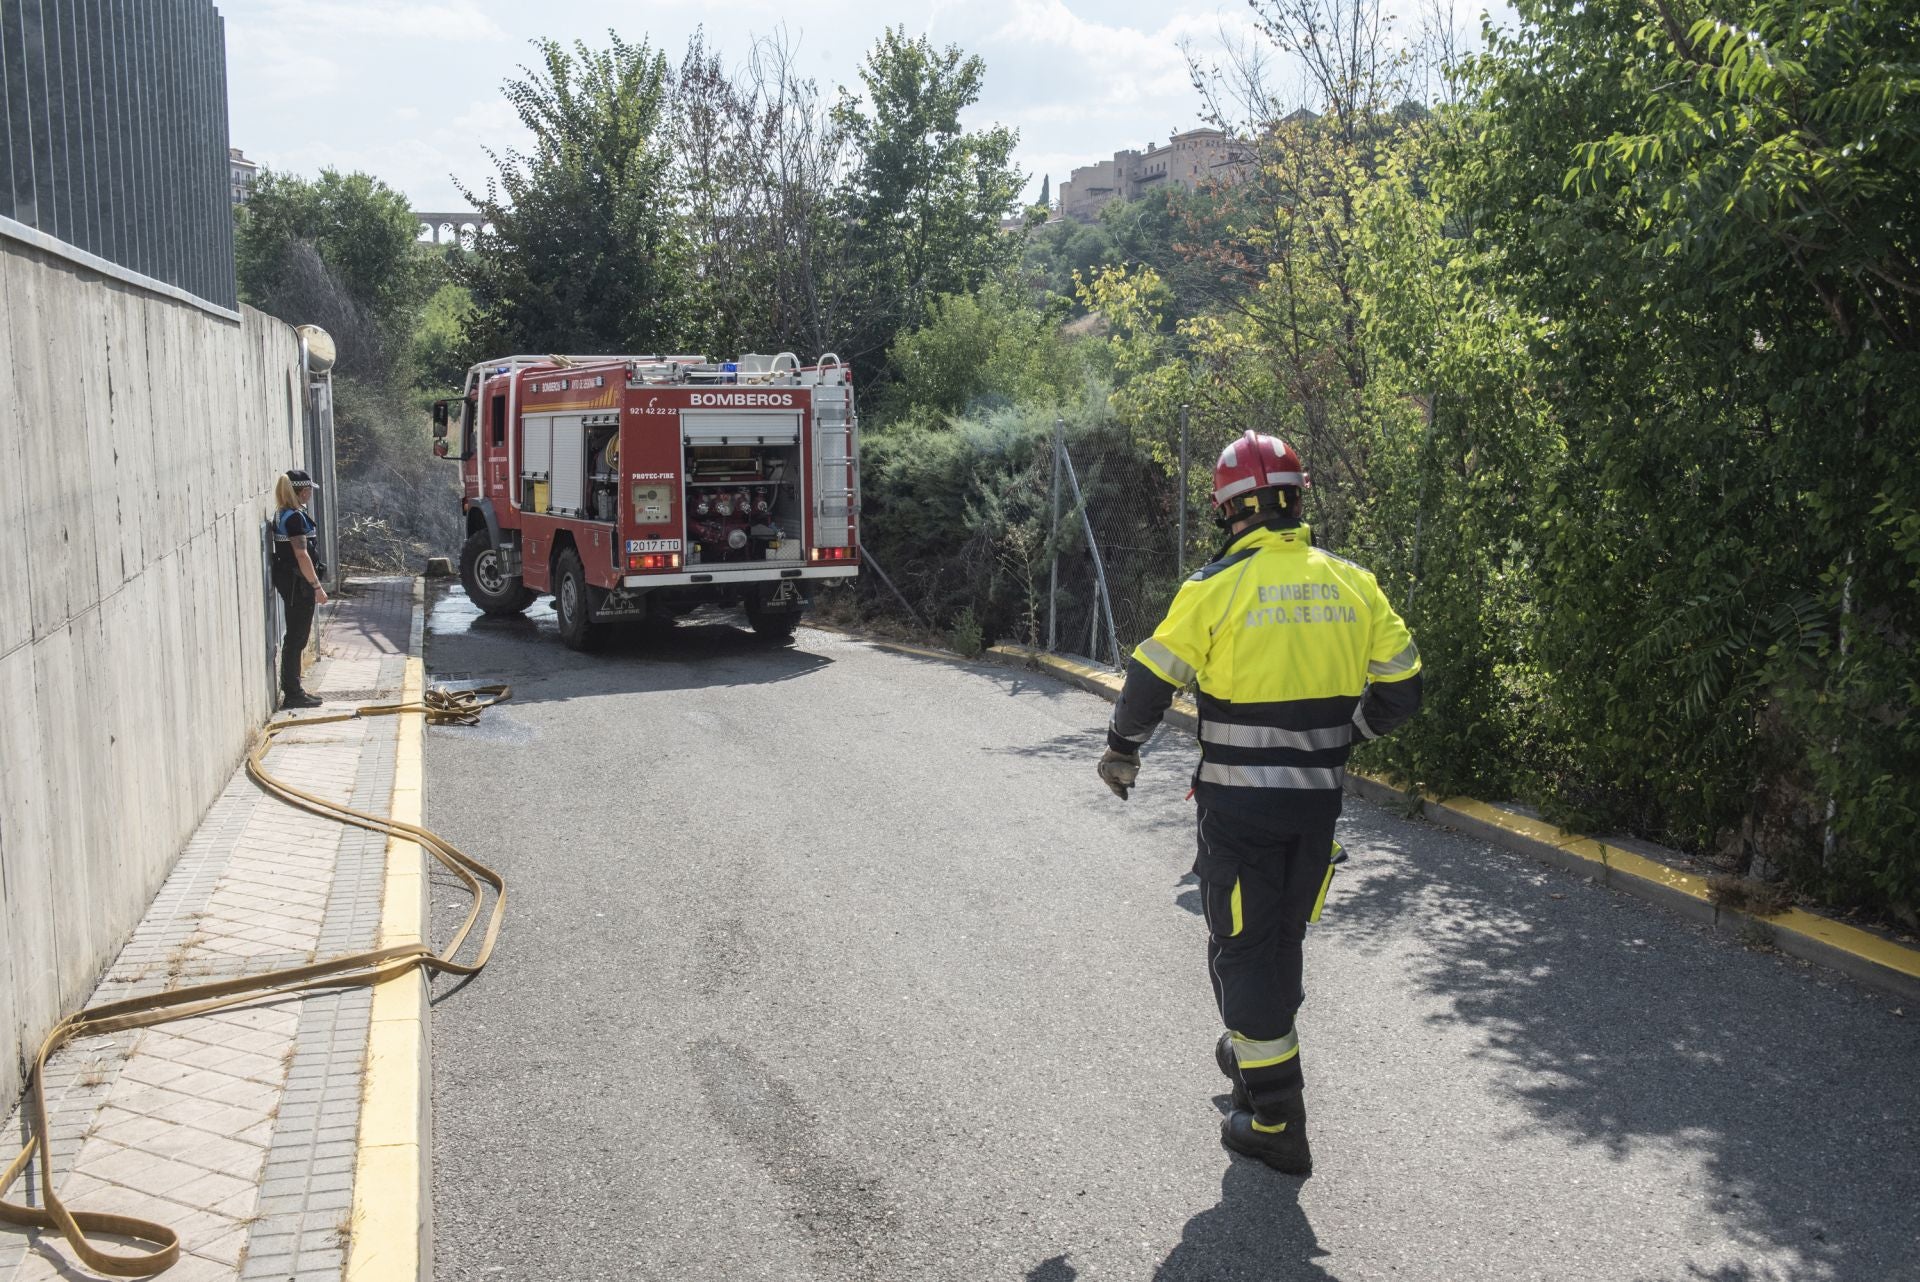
(743, 503)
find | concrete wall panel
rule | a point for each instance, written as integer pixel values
(55, 664)
(130, 424)
(96, 491)
(35, 325)
(35, 854)
(62, 468)
(139, 442)
(102, 858)
(167, 636)
(16, 613)
(129, 783)
(25, 852)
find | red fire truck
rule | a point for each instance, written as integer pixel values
(631, 487)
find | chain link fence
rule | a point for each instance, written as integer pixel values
(1071, 539)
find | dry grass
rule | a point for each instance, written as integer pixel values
(178, 955)
(1744, 894)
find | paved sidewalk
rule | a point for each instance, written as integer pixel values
(239, 1130)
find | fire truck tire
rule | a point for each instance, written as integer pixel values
(772, 626)
(496, 594)
(572, 604)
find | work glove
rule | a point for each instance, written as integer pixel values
(1118, 770)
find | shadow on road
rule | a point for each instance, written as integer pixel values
(1617, 1026)
(1257, 1230)
(707, 651)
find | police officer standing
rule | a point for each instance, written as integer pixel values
(1296, 653)
(296, 578)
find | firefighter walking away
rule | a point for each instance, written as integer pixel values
(1296, 653)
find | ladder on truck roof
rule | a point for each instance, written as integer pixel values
(747, 369)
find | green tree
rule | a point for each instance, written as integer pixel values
(338, 251)
(1657, 288)
(1059, 251)
(440, 339)
(757, 161)
(585, 254)
(982, 349)
(922, 205)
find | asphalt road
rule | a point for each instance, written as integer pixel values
(826, 962)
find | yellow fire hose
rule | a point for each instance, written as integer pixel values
(441, 707)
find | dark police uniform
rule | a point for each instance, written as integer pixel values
(289, 524)
(1296, 653)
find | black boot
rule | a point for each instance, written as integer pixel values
(300, 699)
(1230, 1069)
(1279, 1141)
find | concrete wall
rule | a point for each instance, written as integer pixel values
(139, 441)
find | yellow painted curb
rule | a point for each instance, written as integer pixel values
(391, 1236)
(1616, 866)
(1864, 955)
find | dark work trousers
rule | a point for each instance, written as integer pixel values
(297, 595)
(1259, 884)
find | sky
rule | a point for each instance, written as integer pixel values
(409, 90)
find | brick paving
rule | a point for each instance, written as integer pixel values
(238, 1129)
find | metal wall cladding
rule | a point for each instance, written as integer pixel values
(116, 134)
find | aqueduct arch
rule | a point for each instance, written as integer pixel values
(445, 227)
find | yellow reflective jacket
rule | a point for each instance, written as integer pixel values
(1294, 652)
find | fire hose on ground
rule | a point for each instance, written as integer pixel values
(440, 707)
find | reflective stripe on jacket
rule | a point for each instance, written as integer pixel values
(288, 524)
(1295, 652)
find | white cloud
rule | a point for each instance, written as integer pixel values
(1128, 63)
(288, 71)
(387, 85)
(450, 20)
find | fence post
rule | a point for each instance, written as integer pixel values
(1053, 536)
(1180, 547)
(868, 563)
(1093, 547)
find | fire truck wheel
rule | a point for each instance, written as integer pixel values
(572, 605)
(774, 627)
(495, 593)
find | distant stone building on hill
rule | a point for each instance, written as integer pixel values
(240, 174)
(1189, 160)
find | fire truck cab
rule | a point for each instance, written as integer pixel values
(631, 487)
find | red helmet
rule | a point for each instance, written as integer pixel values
(1252, 463)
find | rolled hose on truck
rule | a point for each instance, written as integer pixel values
(440, 707)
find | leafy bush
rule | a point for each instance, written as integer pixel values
(1668, 582)
(965, 636)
